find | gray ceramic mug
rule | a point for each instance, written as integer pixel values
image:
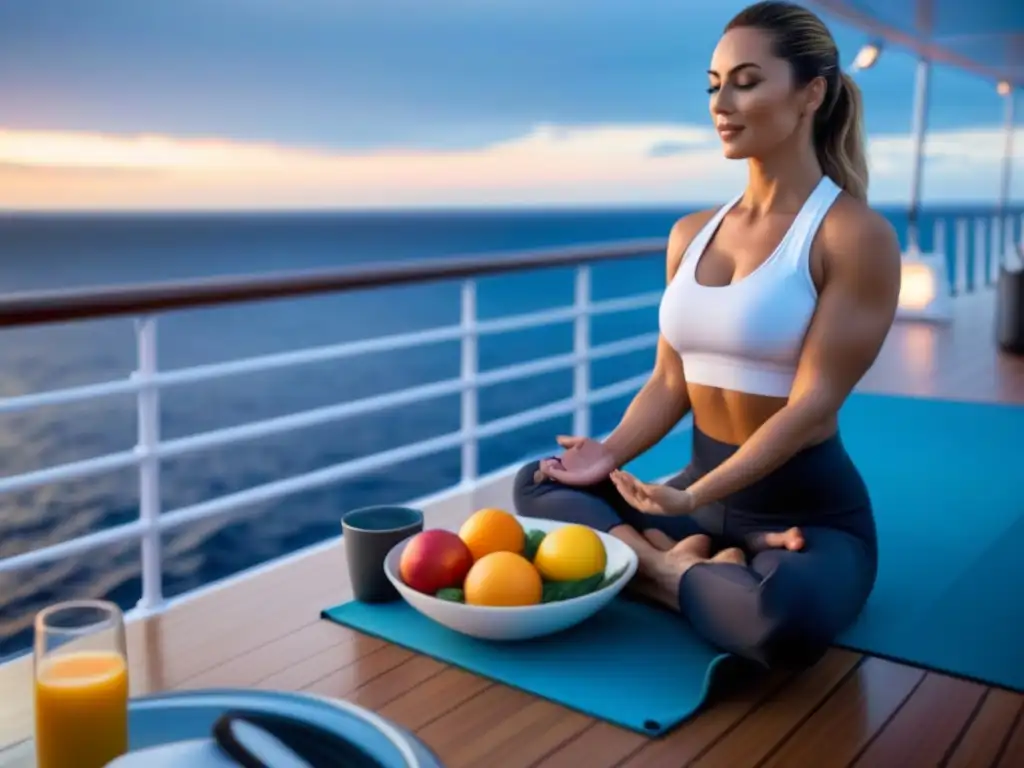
(369, 534)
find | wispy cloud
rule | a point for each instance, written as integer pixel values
(551, 164)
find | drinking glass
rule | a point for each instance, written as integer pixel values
(81, 685)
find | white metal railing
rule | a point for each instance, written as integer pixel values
(147, 382)
(976, 261)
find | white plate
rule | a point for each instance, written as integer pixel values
(182, 722)
(520, 622)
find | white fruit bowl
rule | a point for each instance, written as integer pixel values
(519, 622)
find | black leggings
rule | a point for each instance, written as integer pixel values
(783, 607)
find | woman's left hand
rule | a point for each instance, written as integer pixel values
(653, 498)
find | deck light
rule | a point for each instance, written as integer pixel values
(1003, 88)
(867, 57)
(924, 293)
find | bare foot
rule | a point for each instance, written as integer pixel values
(698, 546)
(793, 540)
(661, 574)
(731, 555)
(659, 578)
(659, 539)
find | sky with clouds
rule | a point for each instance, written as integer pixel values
(127, 104)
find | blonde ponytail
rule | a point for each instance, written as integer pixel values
(839, 140)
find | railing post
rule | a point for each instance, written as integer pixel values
(980, 254)
(995, 249)
(939, 249)
(581, 348)
(148, 403)
(1008, 241)
(961, 262)
(470, 367)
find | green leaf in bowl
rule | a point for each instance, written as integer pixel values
(452, 594)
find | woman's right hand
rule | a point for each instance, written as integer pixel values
(584, 462)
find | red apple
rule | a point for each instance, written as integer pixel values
(435, 559)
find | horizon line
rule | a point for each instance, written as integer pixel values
(534, 208)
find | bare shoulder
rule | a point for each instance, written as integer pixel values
(682, 234)
(861, 241)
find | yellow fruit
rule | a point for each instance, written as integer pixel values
(503, 579)
(492, 530)
(570, 553)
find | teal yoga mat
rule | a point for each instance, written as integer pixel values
(631, 664)
(947, 482)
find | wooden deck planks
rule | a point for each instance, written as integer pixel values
(927, 726)
(602, 744)
(692, 738)
(1011, 751)
(987, 734)
(434, 698)
(763, 729)
(501, 726)
(844, 724)
(957, 361)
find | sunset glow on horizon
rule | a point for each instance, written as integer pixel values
(70, 170)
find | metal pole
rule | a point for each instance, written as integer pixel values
(470, 369)
(1007, 172)
(148, 404)
(581, 348)
(919, 127)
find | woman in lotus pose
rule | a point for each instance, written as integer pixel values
(776, 305)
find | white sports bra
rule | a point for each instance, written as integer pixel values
(747, 336)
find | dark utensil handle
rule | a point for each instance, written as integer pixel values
(237, 733)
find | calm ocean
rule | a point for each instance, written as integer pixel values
(40, 252)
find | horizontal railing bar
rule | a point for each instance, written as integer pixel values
(212, 439)
(566, 314)
(69, 471)
(559, 408)
(317, 354)
(526, 418)
(624, 346)
(618, 389)
(626, 303)
(69, 395)
(127, 532)
(307, 481)
(33, 308)
(553, 363)
(304, 356)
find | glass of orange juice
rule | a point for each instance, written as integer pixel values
(81, 685)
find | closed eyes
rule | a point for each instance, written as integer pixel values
(738, 86)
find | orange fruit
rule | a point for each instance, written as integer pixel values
(492, 530)
(503, 579)
(570, 553)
